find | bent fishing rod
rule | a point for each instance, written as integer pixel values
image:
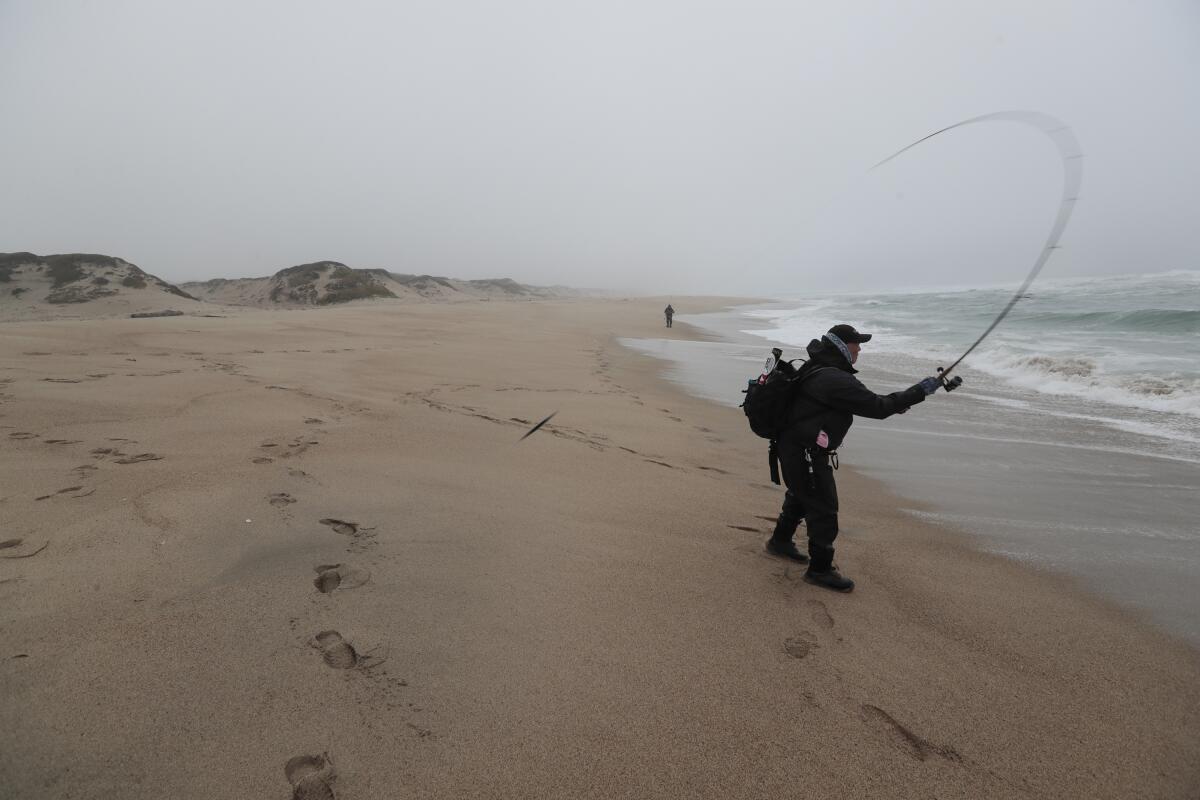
(1072, 159)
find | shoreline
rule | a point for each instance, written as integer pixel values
(597, 595)
(1082, 503)
(879, 489)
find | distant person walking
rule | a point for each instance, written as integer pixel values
(670, 313)
(823, 408)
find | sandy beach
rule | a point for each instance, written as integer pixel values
(228, 542)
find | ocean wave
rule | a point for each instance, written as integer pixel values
(1153, 320)
(1083, 377)
(1123, 340)
(1070, 366)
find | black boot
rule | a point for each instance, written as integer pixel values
(786, 548)
(822, 572)
(830, 579)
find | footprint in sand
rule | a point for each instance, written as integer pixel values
(916, 746)
(311, 777)
(717, 470)
(140, 457)
(361, 537)
(12, 543)
(800, 645)
(22, 435)
(821, 615)
(262, 460)
(422, 733)
(281, 499)
(341, 526)
(70, 491)
(340, 654)
(660, 463)
(744, 528)
(331, 577)
(293, 448)
(61, 441)
(298, 447)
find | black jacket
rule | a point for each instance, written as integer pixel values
(830, 397)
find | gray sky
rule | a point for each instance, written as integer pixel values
(677, 147)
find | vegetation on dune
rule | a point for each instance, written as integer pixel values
(307, 273)
(67, 269)
(64, 272)
(348, 284)
(77, 294)
(507, 285)
(299, 284)
(300, 278)
(171, 288)
(10, 261)
(421, 281)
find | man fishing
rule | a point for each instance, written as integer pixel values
(825, 404)
(669, 313)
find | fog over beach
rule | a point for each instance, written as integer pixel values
(658, 147)
(346, 450)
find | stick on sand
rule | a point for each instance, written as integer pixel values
(534, 429)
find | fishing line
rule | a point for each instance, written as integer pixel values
(1072, 158)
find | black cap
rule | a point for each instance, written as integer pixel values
(848, 335)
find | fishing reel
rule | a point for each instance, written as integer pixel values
(949, 384)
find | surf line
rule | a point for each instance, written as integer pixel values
(1072, 159)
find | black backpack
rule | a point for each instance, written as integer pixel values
(767, 403)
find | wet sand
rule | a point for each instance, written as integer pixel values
(587, 613)
(1048, 485)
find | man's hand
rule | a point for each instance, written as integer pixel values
(929, 385)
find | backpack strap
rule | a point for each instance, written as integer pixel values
(804, 379)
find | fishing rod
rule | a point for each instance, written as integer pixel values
(1072, 159)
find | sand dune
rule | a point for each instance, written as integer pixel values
(82, 286)
(274, 555)
(331, 282)
(90, 286)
